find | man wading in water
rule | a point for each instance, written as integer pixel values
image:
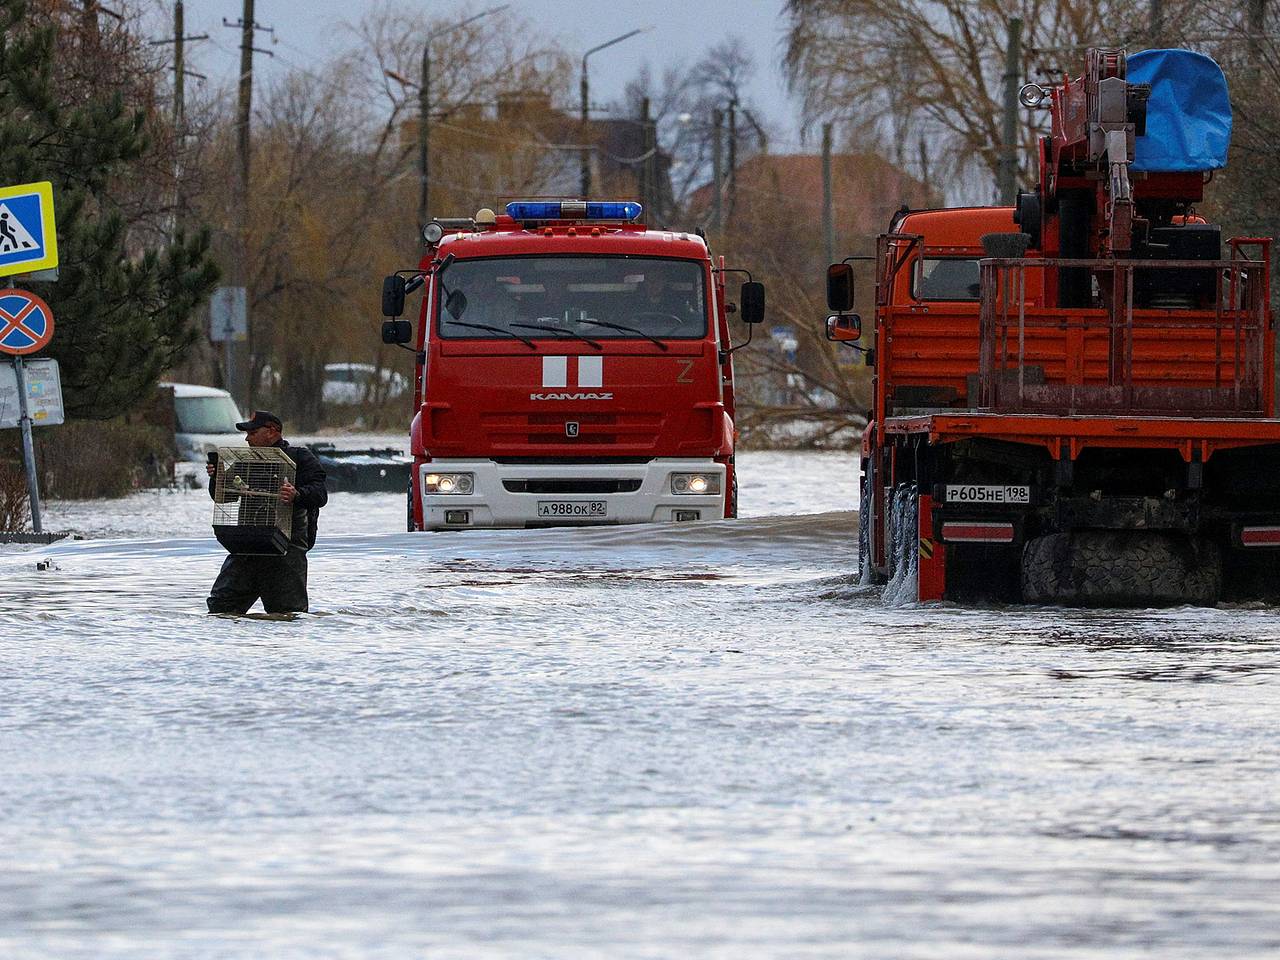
(281, 582)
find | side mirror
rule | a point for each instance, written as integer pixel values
(752, 302)
(844, 328)
(392, 296)
(840, 287)
(396, 331)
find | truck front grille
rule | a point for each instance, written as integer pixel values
(508, 432)
(573, 485)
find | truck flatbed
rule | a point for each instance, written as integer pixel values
(1076, 432)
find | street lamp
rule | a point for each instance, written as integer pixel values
(585, 157)
(424, 112)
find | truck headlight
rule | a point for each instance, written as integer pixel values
(695, 484)
(449, 483)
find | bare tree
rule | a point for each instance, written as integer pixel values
(905, 70)
(334, 197)
(682, 103)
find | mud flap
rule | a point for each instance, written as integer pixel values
(932, 566)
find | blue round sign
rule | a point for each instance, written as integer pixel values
(26, 322)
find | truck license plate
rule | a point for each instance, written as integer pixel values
(987, 493)
(573, 509)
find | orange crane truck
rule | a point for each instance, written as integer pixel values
(1074, 397)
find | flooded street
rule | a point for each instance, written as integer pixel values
(658, 741)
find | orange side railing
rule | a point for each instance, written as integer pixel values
(1209, 358)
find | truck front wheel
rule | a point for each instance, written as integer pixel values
(866, 569)
(1121, 568)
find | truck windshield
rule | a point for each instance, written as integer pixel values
(604, 298)
(206, 414)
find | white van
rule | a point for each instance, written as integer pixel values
(205, 419)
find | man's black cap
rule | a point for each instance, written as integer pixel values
(260, 418)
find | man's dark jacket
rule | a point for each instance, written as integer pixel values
(312, 495)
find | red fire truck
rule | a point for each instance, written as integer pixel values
(573, 368)
(1074, 397)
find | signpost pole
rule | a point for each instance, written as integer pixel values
(229, 357)
(28, 448)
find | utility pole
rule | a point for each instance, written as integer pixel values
(655, 188)
(717, 168)
(1157, 23)
(584, 92)
(178, 67)
(424, 139)
(646, 170)
(424, 114)
(1008, 184)
(733, 157)
(240, 274)
(924, 173)
(180, 74)
(828, 211)
(1256, 16)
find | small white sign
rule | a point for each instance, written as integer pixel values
(227, 315)
(44, 393)
(987, 493)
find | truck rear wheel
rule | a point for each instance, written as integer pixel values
(1121, 568)
(903, 546)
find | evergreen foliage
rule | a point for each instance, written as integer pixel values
(121, 307)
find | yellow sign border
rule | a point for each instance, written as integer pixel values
(50, 259)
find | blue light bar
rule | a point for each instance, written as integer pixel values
(574, 210)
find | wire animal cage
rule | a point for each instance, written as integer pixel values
(248, 515)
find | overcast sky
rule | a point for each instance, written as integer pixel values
(308, 30)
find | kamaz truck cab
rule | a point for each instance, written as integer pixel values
(573, 368)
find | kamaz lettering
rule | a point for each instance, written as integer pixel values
(571, 396)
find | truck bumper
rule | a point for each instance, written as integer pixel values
(519, 494)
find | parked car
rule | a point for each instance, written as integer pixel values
(204, 418)
(350, 383)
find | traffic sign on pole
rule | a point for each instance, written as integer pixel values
(28, 233)
(227, 317)
(26, 325)
(26, 322)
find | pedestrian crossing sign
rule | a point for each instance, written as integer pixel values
(28, 236)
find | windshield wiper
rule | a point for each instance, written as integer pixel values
(563, 331)
(623, 327)
(485, 326)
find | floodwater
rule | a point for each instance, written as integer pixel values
(701, 741)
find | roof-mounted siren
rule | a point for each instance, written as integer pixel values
(615, 210)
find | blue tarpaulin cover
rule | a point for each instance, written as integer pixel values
(1188, 115)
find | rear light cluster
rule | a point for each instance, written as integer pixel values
(977, 532)
(1260, 537)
